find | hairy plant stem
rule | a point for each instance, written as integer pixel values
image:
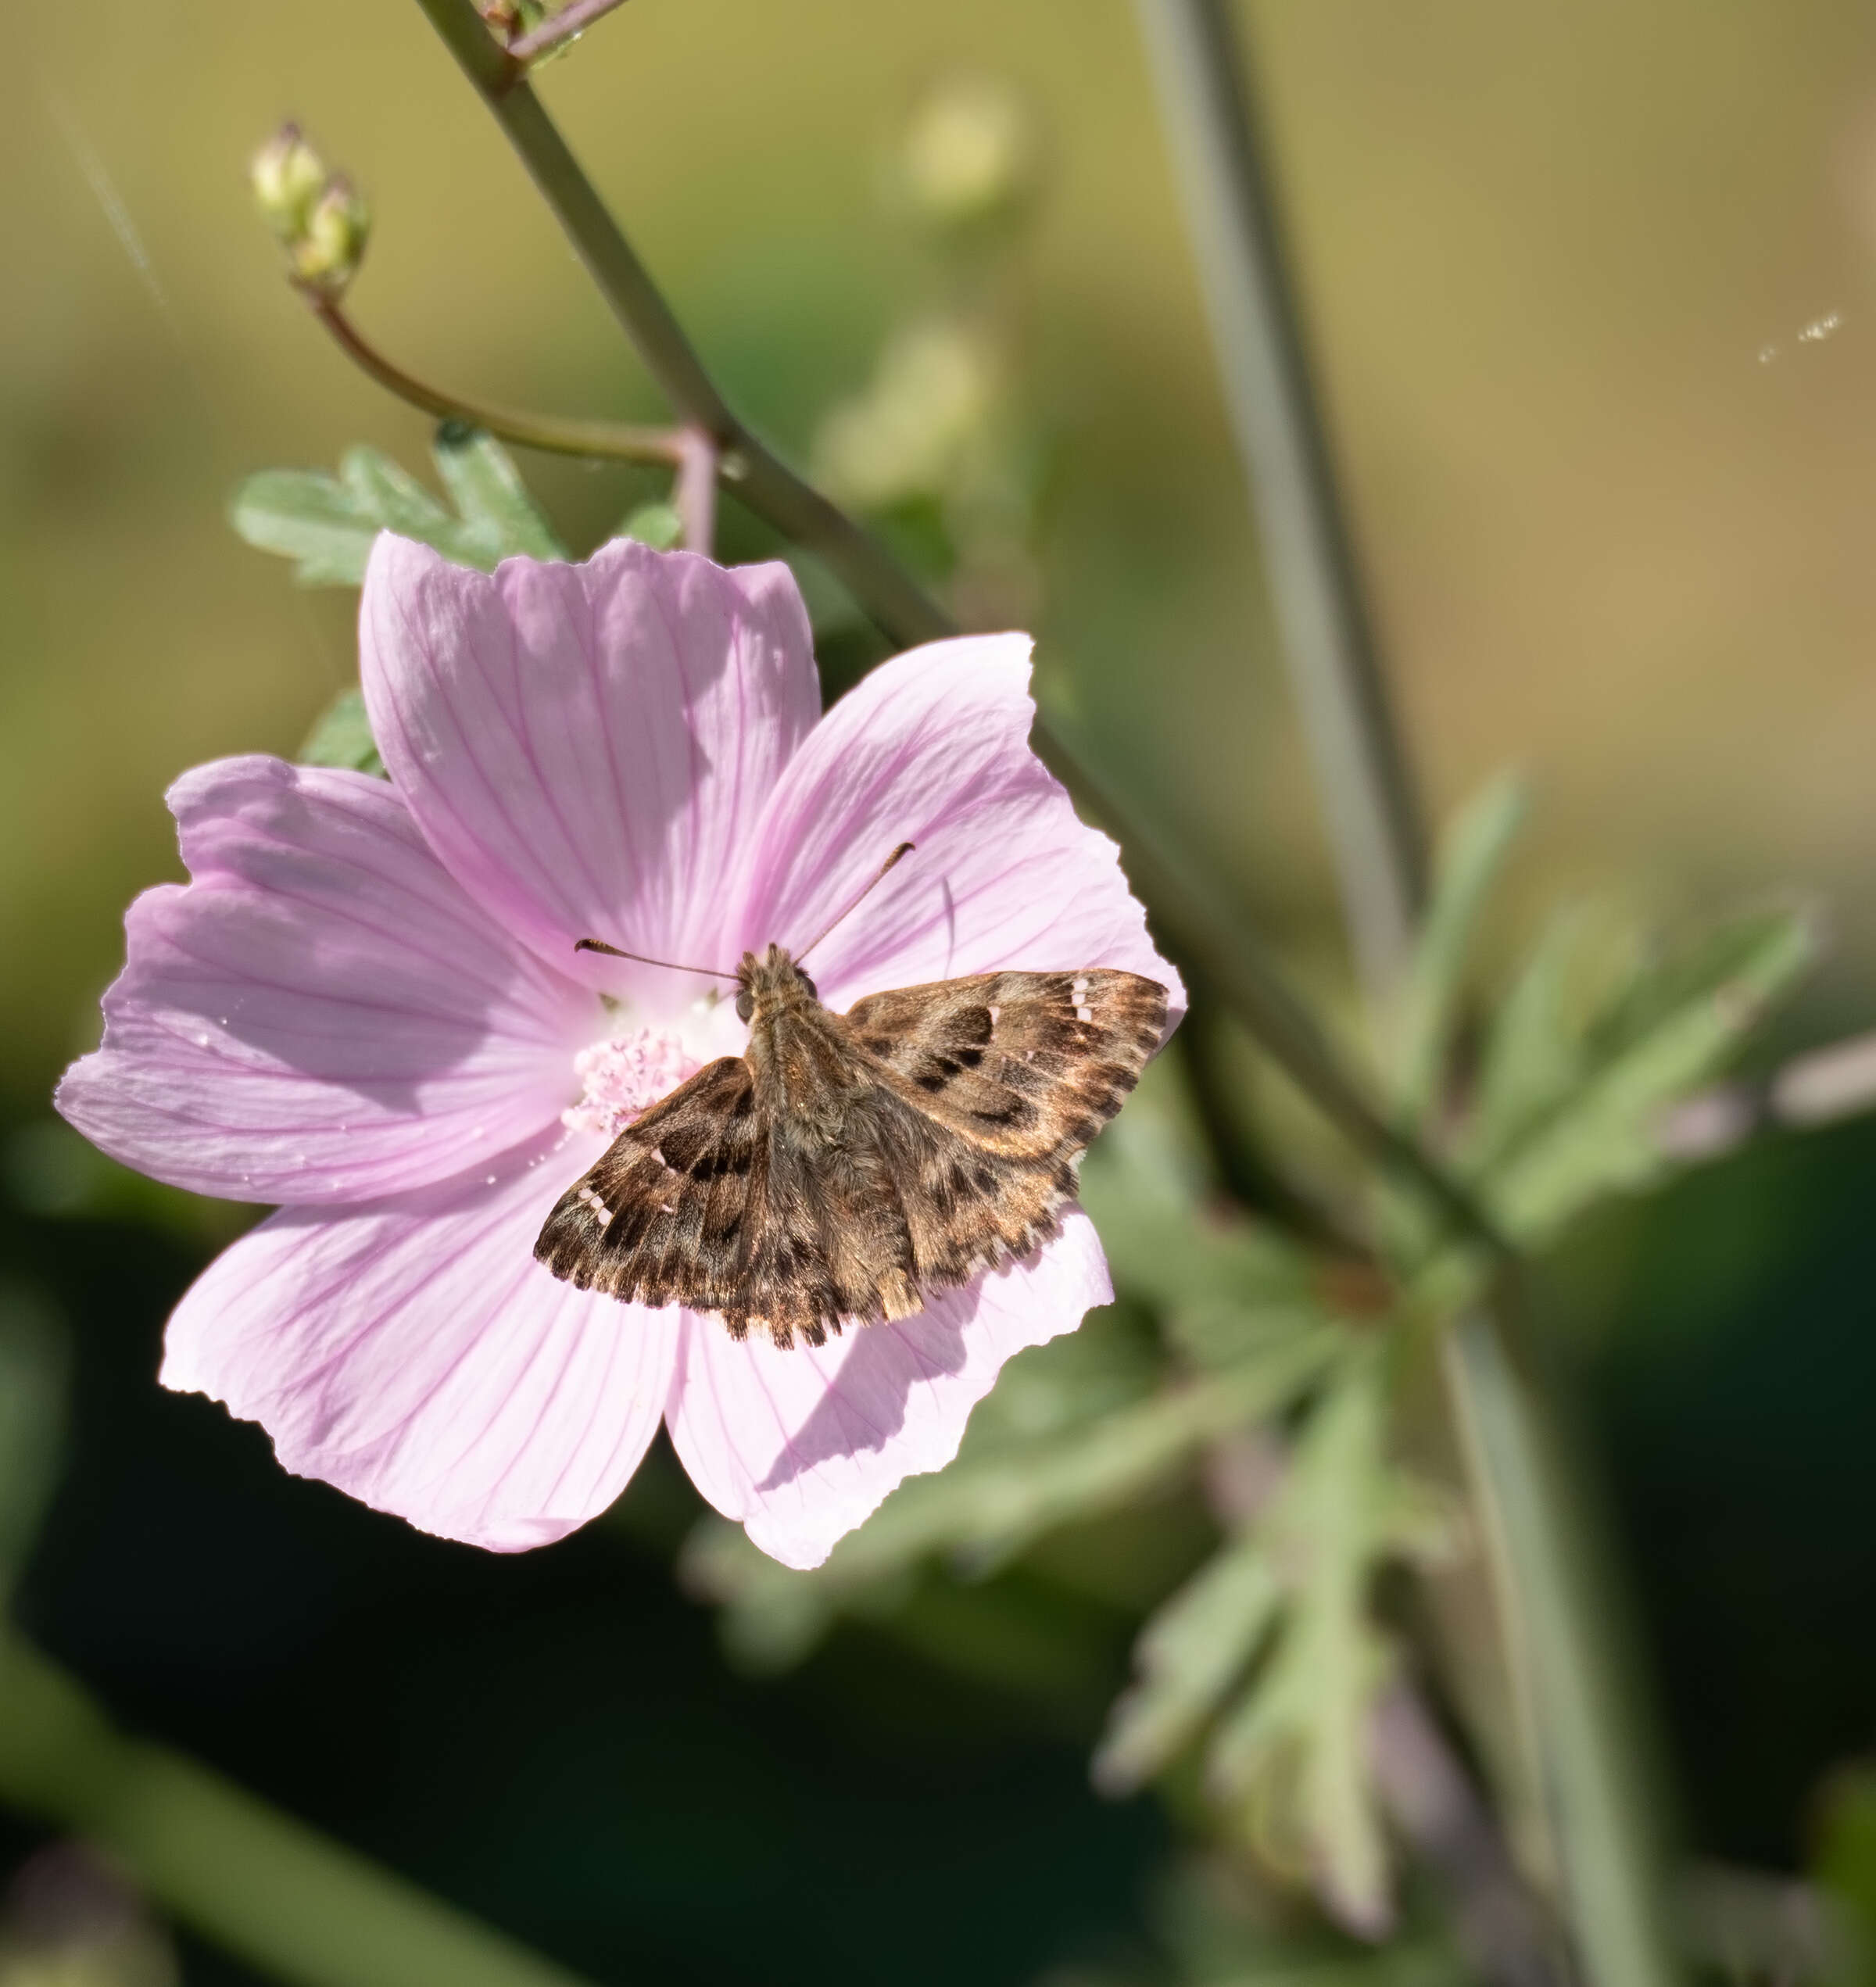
(887, 592)
(266, 1888)
(1361, 771)
(907, 613)
(603, 440)
(1560, 1669)
(1593, 1758)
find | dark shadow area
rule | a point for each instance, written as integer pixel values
(550, 1739)
(1731, 1386)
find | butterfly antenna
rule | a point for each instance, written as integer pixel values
(613, 952)
(904, 849)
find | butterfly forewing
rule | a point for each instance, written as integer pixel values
(852, 1166)
(1024, 1063)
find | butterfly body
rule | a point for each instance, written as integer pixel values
(847, 1167)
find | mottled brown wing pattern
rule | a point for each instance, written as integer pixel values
(665, 1215)
(1025, 1065)
(930, 1133)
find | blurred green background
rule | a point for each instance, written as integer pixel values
(1593, 293)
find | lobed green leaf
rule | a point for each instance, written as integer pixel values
(327, 524)
(1188, 1656)
(1072, 1428)
(656, 524)
(309, 517)
(497, 509)
(1471, 857)
(1672, 1027)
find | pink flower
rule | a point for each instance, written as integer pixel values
(365, 1006)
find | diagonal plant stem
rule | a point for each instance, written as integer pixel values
(905, 612)
(276, 1893)
(1362, 772)
(1220, 941)
(886, 592)
(1550, 1609)
(558, 434)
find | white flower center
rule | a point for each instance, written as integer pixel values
(625, 1076)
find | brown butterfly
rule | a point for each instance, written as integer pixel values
(846, 1168)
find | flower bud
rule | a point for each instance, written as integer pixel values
(325, 256)
(917, 428)
(287, 176)
(970, 151)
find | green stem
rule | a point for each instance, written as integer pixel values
(887, 592)
(1223, 944)
(1568, 1688)
(603, 440)
(1576, 1710)
(1328, 641)
(267, 1888)
(902, 608)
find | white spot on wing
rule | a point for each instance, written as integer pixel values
(994, 1012)
(1078, 987)
(1084, 1014)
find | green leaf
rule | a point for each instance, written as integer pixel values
(309, 517)
(656, 524)
(342, 737)
(1534, 1049)
(327, 523)
(1473, 853)
(1188, 1656)
(994, 1509)
(1072, 1428)
(1672, 1028)
(480, 476)
(393, 498)
(1227, 1288)
(1291, 1756)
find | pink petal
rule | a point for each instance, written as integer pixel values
(415, 1355)
(803, 1445)
(321, 1015)
(933, 748)
(588, 748)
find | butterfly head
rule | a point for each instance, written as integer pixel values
(772, 981)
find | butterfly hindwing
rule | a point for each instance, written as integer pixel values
(662, 1215)
(713, 1201)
